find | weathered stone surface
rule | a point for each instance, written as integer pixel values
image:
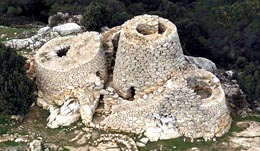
(153, 133)
(170, 98)
(144, 140)
(43, 35)
(148, 48)
(65, 63)
(253, 129)
(190, 103)
(67, 29)
(36, 145)
(19, 43)
(57, 118)
(201, 63)
(44, 30)
(65, 18)
(88, 104)
(247, 139)
(42, 103)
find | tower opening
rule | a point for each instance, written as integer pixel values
(63, 52)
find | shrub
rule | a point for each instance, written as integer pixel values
(249, 79)
(16, 89)
(94, 16)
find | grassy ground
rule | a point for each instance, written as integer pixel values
(12, 33)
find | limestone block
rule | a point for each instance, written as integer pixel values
(69, 107)
(61, 120)
(36, 145)
(169, 133)
(44, 30)
(42, 103)
(67, 29)
(153, 133)
(201, 63)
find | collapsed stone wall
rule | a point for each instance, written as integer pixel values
(65, 63)
(148, 49)
(190, 103)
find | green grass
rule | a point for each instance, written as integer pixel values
(11, 143)
(5, 122)
(177, 144)
(14, 33)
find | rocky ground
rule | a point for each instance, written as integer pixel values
(31, 131)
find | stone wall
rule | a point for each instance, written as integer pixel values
(65, 63)
(190, 103)
(148, 49)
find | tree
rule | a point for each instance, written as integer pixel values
(95, 16)
(16, 89)
(248, 76)
(232, 28)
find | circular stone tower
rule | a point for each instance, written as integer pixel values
(148, 49)
(64, 63)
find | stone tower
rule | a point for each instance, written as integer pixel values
(66, 62)
(148, 49)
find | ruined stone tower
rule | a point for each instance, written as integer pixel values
(65, 63)
(148, 49)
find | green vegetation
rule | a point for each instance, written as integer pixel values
(9, 32)
(11, 143)
(248, 75)
(16, 89)
(5, 124)
(12, 33)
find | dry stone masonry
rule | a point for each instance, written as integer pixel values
(190, 103)
(148, 49)
(65, 63)
(151, 88)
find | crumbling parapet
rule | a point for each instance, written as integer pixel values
(148, 49)
(64, 63)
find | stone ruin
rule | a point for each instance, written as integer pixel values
(142, 78)
(65, 63)
(148, 49)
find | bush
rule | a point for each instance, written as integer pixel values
(249, 79)
(16, 89)
(95, 16)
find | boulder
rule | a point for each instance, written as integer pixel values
(36, 145)
(153, 133)
(61, 18)
(169, 133)
(230, 73)
(66, 118)
(61, 120)
(144, 140)
(44, 30)
(88, 104)
(201, 63)
(42, 103)
(67, 29)
(18, 43)
(69, 107)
